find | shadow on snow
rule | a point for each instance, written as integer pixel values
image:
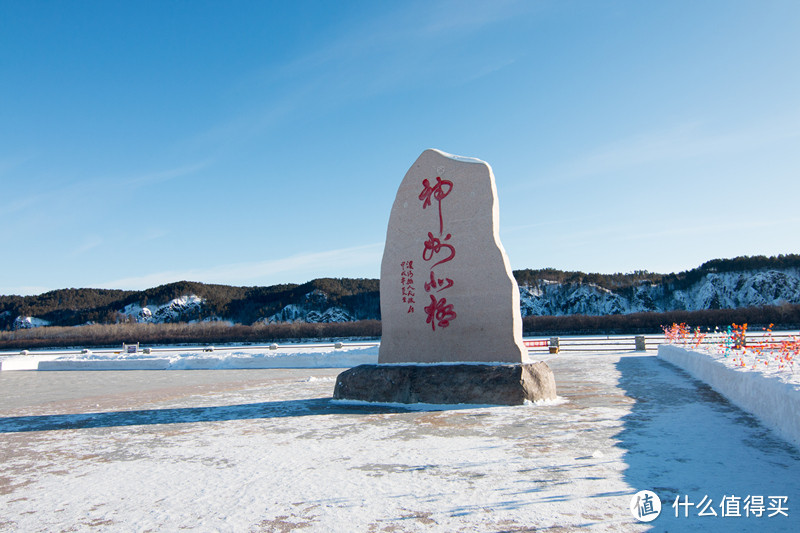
(682, 438)
(184, 415)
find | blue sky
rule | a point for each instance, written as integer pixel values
(253, 143)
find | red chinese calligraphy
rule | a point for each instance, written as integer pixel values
(407, 292)
(438, 192)
(439, 312)
(438, 283)
(433, 246)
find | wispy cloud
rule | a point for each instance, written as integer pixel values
(159, 176)
(152, 234)
(89, 243)
(9, 163)
(709, 228)
(267, 272)
(460, 16)
(680, 142)
(76, 192)
(401, 48)
(411, 29)
(21, 204)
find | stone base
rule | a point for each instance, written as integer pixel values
(447, 383)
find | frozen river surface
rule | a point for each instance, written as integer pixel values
(267, 450)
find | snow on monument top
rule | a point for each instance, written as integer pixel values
(447, 291)
(460, 158)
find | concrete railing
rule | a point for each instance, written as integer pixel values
(613, 343)
(586, 343)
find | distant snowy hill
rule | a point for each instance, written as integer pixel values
(726, 290)
(718, 284)
(313, 308)
(187, 308)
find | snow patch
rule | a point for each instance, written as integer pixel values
(138, 313)
(558, 400)
(29, 322)
(313, 310)
(179, 309)
(460, 158)
(325, 379)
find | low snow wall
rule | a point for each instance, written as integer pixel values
(110, 364)
(775, 403)
(291, 358)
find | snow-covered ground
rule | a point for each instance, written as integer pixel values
(268, 450)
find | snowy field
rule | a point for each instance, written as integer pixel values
(268, 450)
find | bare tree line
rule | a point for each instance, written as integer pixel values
(785, 316)
(181, 333)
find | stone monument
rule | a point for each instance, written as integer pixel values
(448, 297)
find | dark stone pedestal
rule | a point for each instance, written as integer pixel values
(447, 383)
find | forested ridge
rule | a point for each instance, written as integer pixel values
(360, 297)
(673, 281)
(244, 305)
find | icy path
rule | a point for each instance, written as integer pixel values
(266, 450)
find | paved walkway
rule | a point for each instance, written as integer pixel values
(266, 450)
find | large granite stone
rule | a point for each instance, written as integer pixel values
(447, 383)
(447, 291)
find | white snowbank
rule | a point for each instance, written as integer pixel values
(773, 396)
(313, 356)
(104, 364)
